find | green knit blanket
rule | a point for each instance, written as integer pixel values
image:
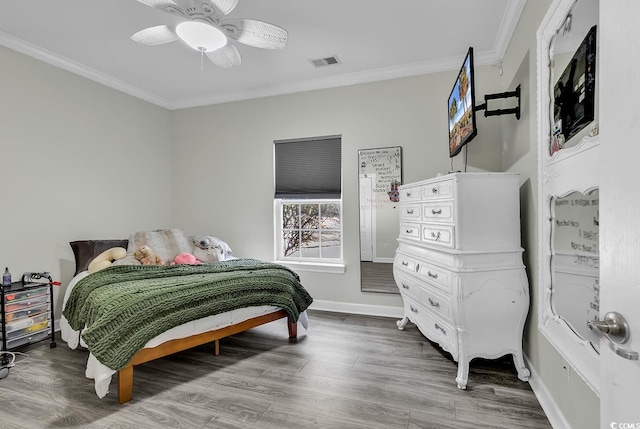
(122, 307)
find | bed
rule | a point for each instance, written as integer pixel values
(161, 310)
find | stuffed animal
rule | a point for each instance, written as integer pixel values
(210, 249)
(186, 258)
(147, 256)
(106, 258)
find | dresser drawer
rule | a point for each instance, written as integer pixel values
(433, 327)
(410, 194)
(28, 330)
(439, 331)
(30, 311)
(440, 211)
(410, 230)
(26, 303)
(435, 275)
(410, 212)
(443, 189)
(26, 322)
(437, 303)
(407, 285)
(22, 295)
(441, 235)
(39, 336)
(406, 264)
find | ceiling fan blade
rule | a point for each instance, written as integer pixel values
(225, 57)
(224, 6)
(158, 3)
(255, 33)
(155, 35)
(164, 5)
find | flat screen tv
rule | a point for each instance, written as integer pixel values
(462, 115)
(574, 93)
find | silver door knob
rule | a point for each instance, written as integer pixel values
(614, 329)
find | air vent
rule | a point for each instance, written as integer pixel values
(328, 61)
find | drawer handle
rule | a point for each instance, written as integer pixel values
(435, 304)
(435, 236)
(409, 231)
(409, 211)
(432, 275)
(440, 328)
(409, 194)
(434, 190)
(417, 267)
(413, 309)
(405, 263)
(436, 212)
(404, 286)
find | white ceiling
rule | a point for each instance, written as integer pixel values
(374, 40)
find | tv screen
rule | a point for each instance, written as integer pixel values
(574, 93)
(462, 115)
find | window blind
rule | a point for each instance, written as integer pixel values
(308, 168)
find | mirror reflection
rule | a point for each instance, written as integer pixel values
(573, 55)
(379, 175)
(575, 261)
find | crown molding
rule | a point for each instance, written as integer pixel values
(394, 72)
(508, 26)
(38, 53)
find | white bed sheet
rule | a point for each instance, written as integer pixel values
(102, 374)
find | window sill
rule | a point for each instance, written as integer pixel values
(317, 267)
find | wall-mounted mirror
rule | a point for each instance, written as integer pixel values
(379, 175)
(572, 85)
(575, 261)
(569, 178)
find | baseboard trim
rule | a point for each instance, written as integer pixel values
(549, 406)
(369, 310)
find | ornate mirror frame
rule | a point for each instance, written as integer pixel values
(571, 169)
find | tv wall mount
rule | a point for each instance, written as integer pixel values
(500, 112)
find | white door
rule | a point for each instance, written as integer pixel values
(366, 217)
(619, 91)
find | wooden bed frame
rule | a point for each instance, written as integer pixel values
(125, 375)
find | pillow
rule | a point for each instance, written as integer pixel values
(210, 249)
(84, 251)
(166, 243)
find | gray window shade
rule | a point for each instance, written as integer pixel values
(309, 168)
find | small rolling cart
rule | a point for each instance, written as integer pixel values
(26, 309)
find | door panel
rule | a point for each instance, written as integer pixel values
(620, 205)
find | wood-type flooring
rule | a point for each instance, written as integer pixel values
(345, 371)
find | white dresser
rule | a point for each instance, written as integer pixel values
(459, 266)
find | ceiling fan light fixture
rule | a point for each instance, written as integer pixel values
(200, 36)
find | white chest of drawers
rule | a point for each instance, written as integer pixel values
(459, 266)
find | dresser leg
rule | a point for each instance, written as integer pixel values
(402, 323)
(523, 371)
(463, 373)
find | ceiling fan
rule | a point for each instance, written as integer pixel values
(207, 30)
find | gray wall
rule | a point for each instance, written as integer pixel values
(83, 161)
(577, 402)
(78, 161)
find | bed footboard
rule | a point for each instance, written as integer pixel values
(125, 375)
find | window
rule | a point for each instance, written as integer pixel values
(308, 202)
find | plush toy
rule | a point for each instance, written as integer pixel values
(106, 258)
(187, 259)
(147, 256)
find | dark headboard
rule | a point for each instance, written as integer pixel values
(85, 251)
